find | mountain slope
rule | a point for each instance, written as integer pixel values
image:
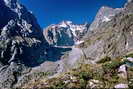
(105, 14)
(114, 39)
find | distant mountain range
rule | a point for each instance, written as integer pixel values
(65, 33)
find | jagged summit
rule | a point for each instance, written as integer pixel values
(105, 14)
(66, 23)
(12, 10)
(65, 33)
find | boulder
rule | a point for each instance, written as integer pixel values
(122, 72)
(119, 86)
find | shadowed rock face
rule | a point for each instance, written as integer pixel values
(5, 12)
(20, 33)
(21, 41)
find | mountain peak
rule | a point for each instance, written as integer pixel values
(66, 30)
(65, 23)
(68, 22)
(105, 14)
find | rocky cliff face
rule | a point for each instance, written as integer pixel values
(114, 38)
(65, 33)
(21, 41)
(19, 32)
(105, 14)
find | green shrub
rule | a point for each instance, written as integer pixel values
(58, 84)
(82, 83)
(111, 77)
(84, 75)
(114, 64)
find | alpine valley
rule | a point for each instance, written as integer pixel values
(66, 55)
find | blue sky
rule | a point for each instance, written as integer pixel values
(79, 11)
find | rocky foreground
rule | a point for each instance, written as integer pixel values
(107, 73)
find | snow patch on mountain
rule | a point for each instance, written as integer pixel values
(73, 27)
(106, 19)
(63, 24)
